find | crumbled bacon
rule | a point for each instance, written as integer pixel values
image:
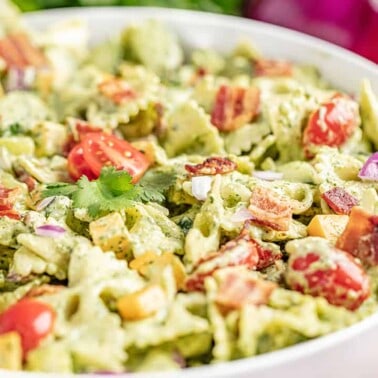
(17, 51)
(237, 290)
(241, 251)
(116, 90)
(273, 68)
(7, 199)
(267, 256)
(339, 200)
(30, 182)
(234, 107)
(269, 209)
(44, 289)
(360, 237)
(211, 166)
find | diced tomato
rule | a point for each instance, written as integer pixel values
(237, 290)
(269, 209)
(339, 200)
(241, 251)
(333, 275)
(273, 68)
(100, 149)
(31, 319)
(234, 107)
(360, 237)
(211, 166)
(332, 124)
(117, 90)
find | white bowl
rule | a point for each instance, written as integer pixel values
(350, 353)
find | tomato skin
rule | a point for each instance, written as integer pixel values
(332, 124)
(31, 319)
(77, 166)
(100, 149)
(334, 275)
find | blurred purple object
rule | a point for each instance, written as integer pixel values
(350, 23)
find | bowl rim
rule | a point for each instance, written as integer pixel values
(254, 364)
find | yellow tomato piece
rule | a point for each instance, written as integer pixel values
(328, 226)
(149, 261)
(143, 303)
(10, 351)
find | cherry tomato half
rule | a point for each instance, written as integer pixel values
(31, 319)
(332, 124)
(106, 150)
(77, 166)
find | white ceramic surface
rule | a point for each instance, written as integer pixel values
(350, 353)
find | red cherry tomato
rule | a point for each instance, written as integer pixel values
(332, 124)
(101, 150)
(332, 274)
(31, 319)
(77, 166)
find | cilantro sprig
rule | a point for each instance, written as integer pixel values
(113, 190)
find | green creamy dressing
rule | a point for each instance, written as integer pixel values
(106, 257)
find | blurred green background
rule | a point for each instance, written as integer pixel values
(219, 6)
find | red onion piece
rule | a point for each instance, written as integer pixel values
(179, 359)
(50, 230)
(241, 215)
(201, 185)
(20, 78)
(44, 203)
(369, 171)
(267, 175)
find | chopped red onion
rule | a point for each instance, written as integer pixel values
(267, 175)
(369, 171)
(44, 203)
(50, 230)
(179, 359)
(241, 215)
(201, 185)
(20, 78)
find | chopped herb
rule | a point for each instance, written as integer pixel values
(112, 191)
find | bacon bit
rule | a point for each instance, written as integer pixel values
(360, 237)
(44, 289)
(30, 182)
(235, 291)
(197, 76)
(17, 51)
(241, 251)
(267, 257)
(234, 107)
(7, 198)
(273, 68)
(339, 200)
(211, 166)
(116, 90)
(269, 209)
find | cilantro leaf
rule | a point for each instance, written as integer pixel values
(105, 194)
(59, 189)
(155, 184)
(113, 190)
